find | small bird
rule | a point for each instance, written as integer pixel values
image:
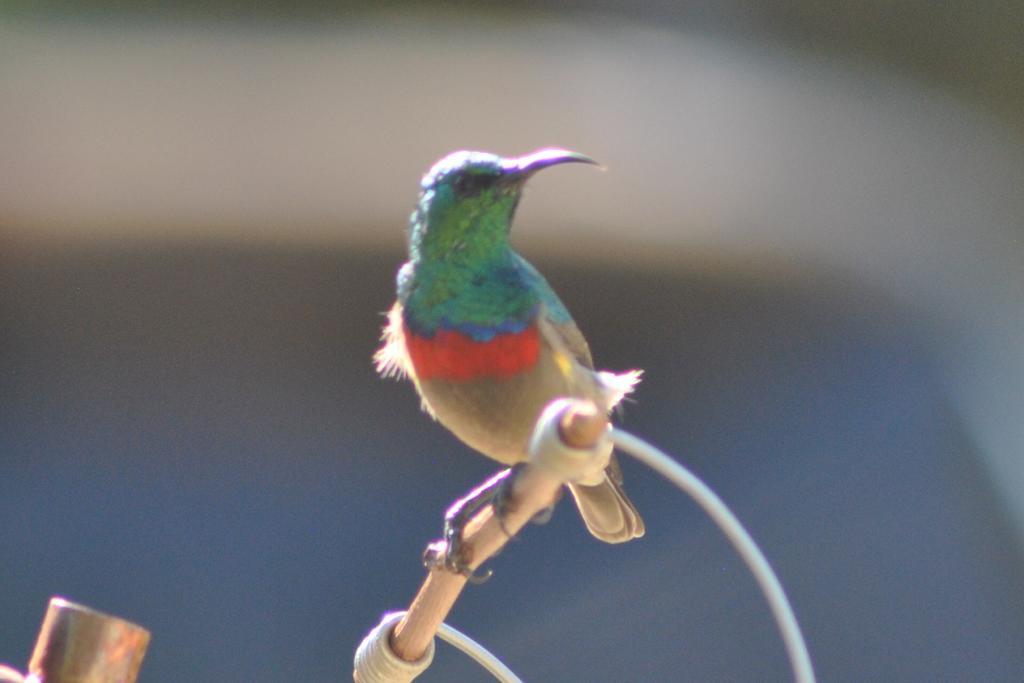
(485, 340)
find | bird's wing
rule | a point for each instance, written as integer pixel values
(573, 341)
(556, 316)
(563, 335)
(567, 340)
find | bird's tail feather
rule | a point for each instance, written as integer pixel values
(607, 511)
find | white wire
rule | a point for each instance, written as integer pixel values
(483, 657)
(741, 540)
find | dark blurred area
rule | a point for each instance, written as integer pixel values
(809, 236)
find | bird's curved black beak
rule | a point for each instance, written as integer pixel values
(527, 165)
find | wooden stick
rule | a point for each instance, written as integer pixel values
(533, 490)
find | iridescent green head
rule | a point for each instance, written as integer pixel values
(467, 202)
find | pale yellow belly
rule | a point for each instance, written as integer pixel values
(497, 416)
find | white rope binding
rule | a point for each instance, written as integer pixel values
(9, 675)
(376, 662)
(569, 464)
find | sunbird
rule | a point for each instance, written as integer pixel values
(484, 338)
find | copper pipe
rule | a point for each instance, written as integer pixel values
(80, 645)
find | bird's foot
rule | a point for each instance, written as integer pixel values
(497, 492)
(448, 552)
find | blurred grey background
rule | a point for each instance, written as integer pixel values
(809, 234)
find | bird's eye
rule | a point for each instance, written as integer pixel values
(468, 184)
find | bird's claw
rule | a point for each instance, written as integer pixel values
(448, 555)
(477, 578)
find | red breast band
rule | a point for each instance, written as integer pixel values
(454, 356)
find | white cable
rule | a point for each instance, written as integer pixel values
(741, 540)
(454, 637)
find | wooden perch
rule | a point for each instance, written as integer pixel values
(580, 426)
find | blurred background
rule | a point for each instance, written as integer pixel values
(809, 234)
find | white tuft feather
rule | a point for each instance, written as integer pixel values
(618, 386)
(392, 359)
